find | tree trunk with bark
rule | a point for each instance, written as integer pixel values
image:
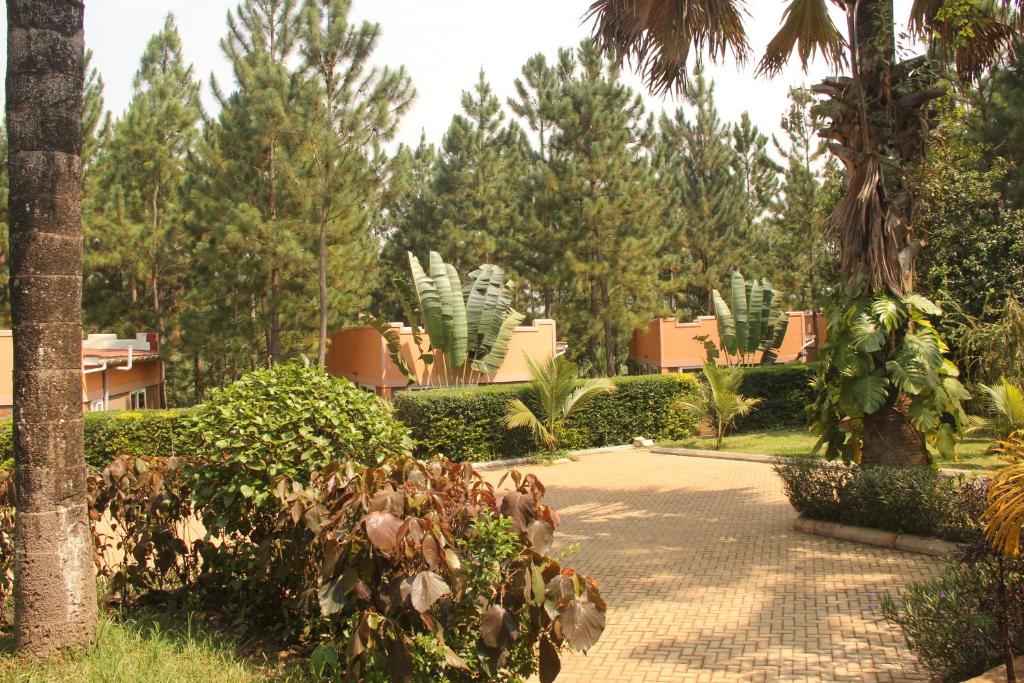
(55, 582)
(891, 439)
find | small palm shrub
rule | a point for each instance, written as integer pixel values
(421, 571)
(1005, 404)
(722, 398)
(557, 389)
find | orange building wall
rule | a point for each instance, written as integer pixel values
(668, 345)
(360, 354)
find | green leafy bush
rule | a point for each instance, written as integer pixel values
(785, 392)
(421, 571)
(911, 500)
(120, 432)
(469, 424)
(287, 421)
(952, 623)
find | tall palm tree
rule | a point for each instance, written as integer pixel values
(55, 586)
(878, 113)
(558, 390)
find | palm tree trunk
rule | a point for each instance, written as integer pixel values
(891, 439)
(55, 583)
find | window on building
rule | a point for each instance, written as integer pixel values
(96, 406)
(138, 399)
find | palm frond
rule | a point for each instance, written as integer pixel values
(1005, 514)
(658, 36)
(519, 414)
(586, 393)
(975, 41)
(807, 29)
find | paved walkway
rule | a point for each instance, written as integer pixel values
(707, 581)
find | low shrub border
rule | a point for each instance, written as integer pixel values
(120, 432)
(916, 501)
(785, 391)
(469, 424)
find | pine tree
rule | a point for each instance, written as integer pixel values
(137, 248)
(358, 107)
(529, 249)
(609, 209)
(802, 253)
(759, 177)
(698, 163)
(250, 206)
(475, 180)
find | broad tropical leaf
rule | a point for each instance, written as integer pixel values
(755, 333)
(439, 275)
(459, 332)
(430, 302)
(871, 391)
(738, 302)
(499, 343)
(393, 340)
(726, 323)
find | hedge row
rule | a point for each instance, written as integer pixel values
(469, 424)
(125, 432)
(784, 391)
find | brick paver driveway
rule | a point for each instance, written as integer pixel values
(707, 581)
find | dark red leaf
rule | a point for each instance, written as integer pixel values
(382, 530)
(582, 624)
(550, 664)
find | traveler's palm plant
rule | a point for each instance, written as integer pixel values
(559, 393)
(749, 322)
(1005, 404)
(1005, 514)
(723, 399)
(469, 325)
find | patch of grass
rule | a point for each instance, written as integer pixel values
(972, 453)
(142, 646)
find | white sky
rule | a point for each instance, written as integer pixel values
(442, 43)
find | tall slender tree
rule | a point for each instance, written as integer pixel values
(698, 164)
(137, 234)
(55, 583)
(358, 107)
(609, 208)
(250, 212)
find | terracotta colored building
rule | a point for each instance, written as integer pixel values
(117, 373)
(668, 345)
(361, 355)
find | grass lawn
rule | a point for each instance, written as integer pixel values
(143, 646)
(797, 443)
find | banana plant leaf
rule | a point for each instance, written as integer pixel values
(738, 295)
(430, 302)
(405, 295)
(726, 323)
(459, 332)
(439, 274)
(756, 310)
(502, 309)
(394, 344)
(475, 291)
(499, 346)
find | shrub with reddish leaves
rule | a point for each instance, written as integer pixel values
(423, 572)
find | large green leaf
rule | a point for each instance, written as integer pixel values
(867, 335)
(756, 311)
(888, 312)
(492, 300)
(910, 378)
(439, 274)
(922, 304)
(430, 302)
(459, 332)
(499, 347)
(871, 392)
(393, 340)
(726, 323)
(501, 310)
(476, 295)
(738, 300)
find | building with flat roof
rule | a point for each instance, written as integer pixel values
(117, 374)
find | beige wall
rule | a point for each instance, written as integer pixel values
(360, 354)
(668, 345)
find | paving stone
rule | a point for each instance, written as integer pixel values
(706, 579)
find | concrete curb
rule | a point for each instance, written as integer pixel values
(513, 462)
(772, 459)
(922, 545)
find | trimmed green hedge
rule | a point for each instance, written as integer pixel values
(469, 424)
(113, 433)
(784, 390)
